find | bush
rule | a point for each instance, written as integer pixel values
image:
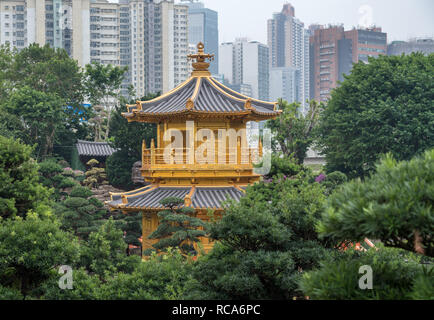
(81, 213)
(265, 243)
(393, 270)
(10, 294)
(394, 205)
(84, 287)
(29, 249)
(158, 278)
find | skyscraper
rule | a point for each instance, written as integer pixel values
(159, 45)
(288, 41)
(203, 27)
(246, 62)
(333, 52)
(60, 23)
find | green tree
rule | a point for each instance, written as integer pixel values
(30, 249)
(265, 243)
(104, 253)
(103, 84)
(338, 277)
(6, 58)
(20, 190)
(293, 131)
(40, 115)
(119, 170)
(127, 139)
(51, 71)
(85, 287)
(80, 212)
(159, 278)
(55, 80)
(394, 205)
(382, 106)
(177, 227)
(52, 175)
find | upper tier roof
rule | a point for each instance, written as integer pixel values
(201, 95)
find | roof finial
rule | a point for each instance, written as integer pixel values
(200, 57)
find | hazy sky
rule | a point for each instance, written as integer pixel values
(401, 19)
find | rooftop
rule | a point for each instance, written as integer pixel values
(94, 149)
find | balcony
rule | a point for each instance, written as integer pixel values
(169, 164)
(153, 158)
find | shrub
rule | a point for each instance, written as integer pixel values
(393, 270)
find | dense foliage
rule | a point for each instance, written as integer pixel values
(20, 189)
(41, 99)
(394, 205)
(266, 242)
(127, 138)
(80, 212)
(383, 106)
(178, 227)
(103, 83)
(394, 272)
(294, 131)
(30, 249)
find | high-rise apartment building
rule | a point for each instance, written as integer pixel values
(203, 27)
(424, 45)
(148, 36)
(104, 32)
(60, 23)
(159, 45)
(284, 83)
(333, 52)
(288, 41)
(246, 62)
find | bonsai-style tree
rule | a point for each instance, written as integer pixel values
(95, 176)
(178, 227)
(80, 212)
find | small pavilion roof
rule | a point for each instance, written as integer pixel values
(94, 149)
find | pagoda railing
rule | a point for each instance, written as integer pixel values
(157, 157)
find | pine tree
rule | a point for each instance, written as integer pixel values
(178, 227)
(80, 212)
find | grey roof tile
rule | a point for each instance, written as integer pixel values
(97, 149)
(203, 197)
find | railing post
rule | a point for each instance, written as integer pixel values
(143, 152)
(152, 152)
(239, 150)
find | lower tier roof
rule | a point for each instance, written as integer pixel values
(149, 197)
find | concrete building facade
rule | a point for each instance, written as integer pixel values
(203, 27)
(424, 45)
(288, 41)
(333, 52)
(59, 23)
(245, 62)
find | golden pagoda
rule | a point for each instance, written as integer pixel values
(201, 152)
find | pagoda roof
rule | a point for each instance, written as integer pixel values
(149, 197)
(201, 95)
